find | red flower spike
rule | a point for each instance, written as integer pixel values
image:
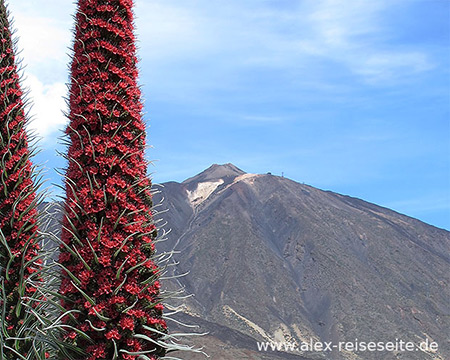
(19, 237)
(108, 200)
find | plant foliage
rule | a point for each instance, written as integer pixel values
(109, 275)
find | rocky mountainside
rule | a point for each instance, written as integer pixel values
(270, 259)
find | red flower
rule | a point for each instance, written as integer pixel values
(127, 323)
(96, 351)
(113, 334)
(72, 335)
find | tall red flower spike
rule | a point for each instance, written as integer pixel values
(109, 276)
(19, 238)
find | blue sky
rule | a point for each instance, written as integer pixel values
(348, 96)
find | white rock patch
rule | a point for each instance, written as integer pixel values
(203, 191)
(248, 178)
(229, 312)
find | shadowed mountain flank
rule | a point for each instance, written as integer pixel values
(272, 259)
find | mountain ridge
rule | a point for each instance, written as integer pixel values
(215, 172)
(274, 259)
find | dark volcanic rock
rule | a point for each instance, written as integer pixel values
(272, 259)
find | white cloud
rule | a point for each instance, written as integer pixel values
(47, 104)
(44, 37)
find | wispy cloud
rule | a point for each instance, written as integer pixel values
(355, 35)
(260, 119)
(314, 41)
(167, 31)
(390, 66)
